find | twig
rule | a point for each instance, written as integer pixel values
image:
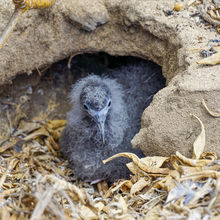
(70, 59)
(206, 16)
(20, 7)
(213, 114)
(13, 21)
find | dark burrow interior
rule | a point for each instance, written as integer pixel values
(43, 95)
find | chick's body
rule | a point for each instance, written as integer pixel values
(82, 142)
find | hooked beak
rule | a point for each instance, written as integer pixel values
(100, 117)
(100, 121)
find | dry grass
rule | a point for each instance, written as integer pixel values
(36, 183)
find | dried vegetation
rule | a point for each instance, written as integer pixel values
(36, 183)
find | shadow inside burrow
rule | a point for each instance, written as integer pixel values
(53, 85)
(43, 95)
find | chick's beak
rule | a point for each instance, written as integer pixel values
(101, 126)
(100, 120)
(100, 117)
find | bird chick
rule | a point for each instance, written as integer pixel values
(96, 126)
(105, 115)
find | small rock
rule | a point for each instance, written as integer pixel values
(178, 6)
(87, 14)
(197, 20)
(186, 15)
(29, 90)
(214, 40)
(24, 98)
(40, 91)
(207, 53)
(168, 12)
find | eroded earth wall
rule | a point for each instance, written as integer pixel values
(144, 28)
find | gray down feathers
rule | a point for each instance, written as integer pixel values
(131, 89)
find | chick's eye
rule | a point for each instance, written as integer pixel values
(85, 106)
(109, 104)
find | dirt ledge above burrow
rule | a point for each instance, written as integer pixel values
(127, 27)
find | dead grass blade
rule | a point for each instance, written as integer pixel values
(213, 114)
(199, 143)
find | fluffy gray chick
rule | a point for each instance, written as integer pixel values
(105, 115)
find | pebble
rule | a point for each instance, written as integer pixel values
(29, 90)
(178, 6)
(197, 20)
(168, 12)
(185, 15)
(40, 91)
(23, 99)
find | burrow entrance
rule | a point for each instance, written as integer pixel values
(44, 94)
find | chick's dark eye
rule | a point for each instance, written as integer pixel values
(85, 106)
(109, 104)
